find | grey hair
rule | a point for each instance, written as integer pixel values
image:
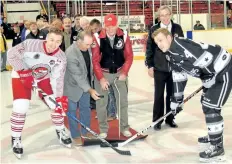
(164, 8)
(82, 34)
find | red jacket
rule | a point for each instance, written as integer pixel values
(128, 54)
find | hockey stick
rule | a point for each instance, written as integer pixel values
(154, 123)
(119, 108)
(122, 152)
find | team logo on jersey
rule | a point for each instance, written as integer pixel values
(39, 71)
(36, 56)
(119, 44)
(52, 62)
(224, 57)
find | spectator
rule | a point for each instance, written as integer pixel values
(25, 30)
(35, 32)
(95, 25)
(17, 36)
(198, 26)
(77, 28)
(112, 59)
(8, 32)
(158, 68)
(3, 49)
(84, 23)
(78, 84)
(67, 25)
(42, 26)
(42, 16)
(57, 23)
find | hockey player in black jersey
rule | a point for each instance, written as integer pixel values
(213, 65)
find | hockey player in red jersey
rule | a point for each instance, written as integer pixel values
(43, 63)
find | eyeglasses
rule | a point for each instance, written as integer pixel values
(166, 15)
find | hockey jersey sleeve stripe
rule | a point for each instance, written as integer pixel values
(15, 56)
(186, 52)
(179, 80)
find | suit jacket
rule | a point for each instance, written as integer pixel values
(76, 76)
(154, 56)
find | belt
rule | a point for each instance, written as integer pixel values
(111, 70)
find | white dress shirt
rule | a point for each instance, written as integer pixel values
(169, 26)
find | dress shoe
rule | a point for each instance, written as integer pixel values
(157, 127)
(172, 124)
(103, 135)
(111, 118)
(88, 136)
(77, 141)
(126, 133)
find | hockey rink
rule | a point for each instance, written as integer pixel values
(169, 145)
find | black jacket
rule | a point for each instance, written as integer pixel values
(154, 56)
(75, 33)
(40, 35)
(16, 40)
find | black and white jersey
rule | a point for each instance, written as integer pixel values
(197, 59)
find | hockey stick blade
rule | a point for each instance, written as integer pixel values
(104, 145)
(122, 152)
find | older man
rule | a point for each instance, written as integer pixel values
(112, 59)
(78, 83)
(84, 23)
(158, 68)
(67, 25)
(35, 32)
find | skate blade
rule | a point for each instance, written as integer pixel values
(19, 156)
(66, 145)
(221, 158)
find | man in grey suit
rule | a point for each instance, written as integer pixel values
(77, 83)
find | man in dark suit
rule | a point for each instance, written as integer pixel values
(158, 67)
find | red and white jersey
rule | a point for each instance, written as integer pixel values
(32, 54)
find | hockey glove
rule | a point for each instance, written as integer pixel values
(26, 78)
(63, 102)
(208, 82)
(175, 105)
(62, 108)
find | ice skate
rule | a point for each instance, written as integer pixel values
(17, 147)
(64, 138)
(214, 153)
